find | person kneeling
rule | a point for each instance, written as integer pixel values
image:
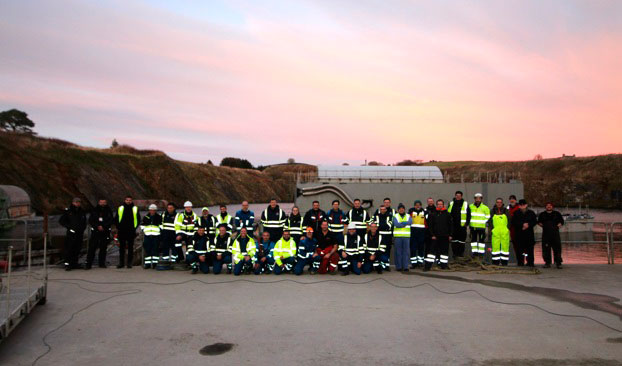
(243, 252)
(307, 255)
(221, 250)
(284, 253)
(264, 252)
(351, 252)
(196, 255)
(375, 249)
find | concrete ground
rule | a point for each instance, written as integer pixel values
(395, 319)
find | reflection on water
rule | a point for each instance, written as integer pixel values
(579, 237)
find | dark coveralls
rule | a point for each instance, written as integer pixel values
(100, 217)
(74, 220)
(306, 256)
(127, 233)
(550, 236)
(524, 239)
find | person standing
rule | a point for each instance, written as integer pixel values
(306, 254)
(551, 221)
(441, 228)
(512, 208)
(351, 252)
(220, 250)
(374, 250)
(245, 218)
(314, 218)
(264, 253)
(208, 222)
(150, 225)
(336, 219)
(461, 217)
(100, 221)
(184, 229)
(429, 210)
(523, 222)
(127, 221)
(197, 256)
(500, 240)
(417, 235)
(243, 252)
(225, 219)
(73, 220)
(284, 254)
(273, 220)
(401, 234)
(168, 237)
(359, 216)
(384, 220)
(294, 224)
(327, 250)
(480, 214)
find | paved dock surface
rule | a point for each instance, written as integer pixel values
(393, 319)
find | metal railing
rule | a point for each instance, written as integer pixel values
(612, 241)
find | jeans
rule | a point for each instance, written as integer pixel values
(402, 253)
(226, 259)
(239, 267)
(193, 261)
(288, 264)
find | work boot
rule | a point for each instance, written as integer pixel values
(559, 266)
(547, 265)
(405, 270)
(129, 266)
(119, 266)
(345, 273)
(195, 270)
(88, 266)
(103, 266)
(379, 270)
(229, 271)
(67, 267)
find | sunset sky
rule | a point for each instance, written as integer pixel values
(320, 81)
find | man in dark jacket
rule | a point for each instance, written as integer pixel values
(273, 220)
(551, 221)
(512, 208)
(337, 220)
(100, 221)
(461, 218)
(523, 222)
(74, 220)
(441, 228)
(314, 218)
(126, 221)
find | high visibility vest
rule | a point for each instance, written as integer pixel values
(274, 224)
(134, 211)
(401, 232)
(168, 221)
(284, 249)
(226, 220)
(463, 211)
(418, 219)
(500, 223)
(185, 224)
(479, 216)
(237, 252)
(150, 230)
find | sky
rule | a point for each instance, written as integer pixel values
(323, 82)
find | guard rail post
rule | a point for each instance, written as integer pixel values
(8, 287)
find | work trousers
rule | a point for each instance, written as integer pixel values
(500, 243)
(193, 261)
(301, 263)
(552, 241)
(167, 245)
(241, 266)
(99, 241)
(439, 248)
(458, 240)
(375, 264)
(226, 259)
(266, 266)
(150, 245)
(417, 246)
(186, 240)
(350, 264)
(288, 264)
(126, 243)
(327, 265)
(525, 252)
(402, 252)
(478, 241)
(73, 245)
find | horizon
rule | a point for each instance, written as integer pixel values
(271, 81)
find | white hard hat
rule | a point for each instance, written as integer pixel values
(153, 207)
(479, 195)
(351, 226)
(188, 204)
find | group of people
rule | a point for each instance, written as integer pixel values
(321, 242)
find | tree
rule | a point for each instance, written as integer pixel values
(375, 163)
(114, 143)
(409, 162)
(291, 161)
(209, 162)
(16, 121)
(345, 164)
(236, 163)
(537, 157)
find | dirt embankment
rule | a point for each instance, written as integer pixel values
(595, 180)
(53, 171)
